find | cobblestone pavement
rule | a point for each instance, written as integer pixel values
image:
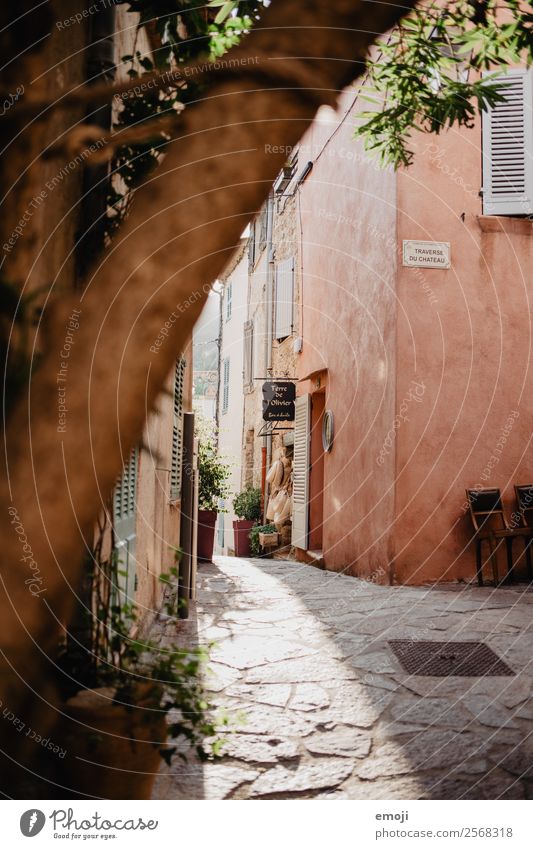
(329, 712)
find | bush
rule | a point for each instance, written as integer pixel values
(213, 470)
(255, 547)
(247, 504)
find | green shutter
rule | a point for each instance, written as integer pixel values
(177, 431)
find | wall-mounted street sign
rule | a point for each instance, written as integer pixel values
(418, 254)
(278, 401)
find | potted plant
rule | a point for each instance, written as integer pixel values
(213, 486)
(247, 507)
(261, 534)
(141, 698)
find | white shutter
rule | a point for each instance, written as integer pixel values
(225, 387)
(229, 297)
(248, 360)
(508, 148)
(300, 471)
(284, 315)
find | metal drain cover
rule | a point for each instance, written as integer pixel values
(471, 660)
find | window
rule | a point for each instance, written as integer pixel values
(177, 431)
(508, 148)
(284, 308)
(248, 372)
(229, 293)
(225, 386)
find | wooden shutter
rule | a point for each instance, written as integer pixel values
(508, 148)
(284, 312)
(300, 471)
(248, 359)
(225, 387)
(177, 431)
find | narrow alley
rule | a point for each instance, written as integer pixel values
(323, 706)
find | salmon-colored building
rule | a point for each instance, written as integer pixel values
(416, 337)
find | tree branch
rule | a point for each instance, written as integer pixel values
(185, 223)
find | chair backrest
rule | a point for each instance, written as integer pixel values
(486, 508)
(524, 499)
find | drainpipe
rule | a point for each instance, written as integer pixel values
(269, 325)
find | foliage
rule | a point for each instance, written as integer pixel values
(168, 679)
(181, 32)
(213, 470)
(255, 546)
(425, 74)
(247, 504)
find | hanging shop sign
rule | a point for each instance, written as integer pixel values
(278, 401)
(418, 254)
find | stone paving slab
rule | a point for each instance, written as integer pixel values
(329, 713)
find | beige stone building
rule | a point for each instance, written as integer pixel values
(269, 332)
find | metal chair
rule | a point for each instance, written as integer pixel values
(491, 526)
(524, 500)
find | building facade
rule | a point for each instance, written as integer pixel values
(271, 331)
(230, 393)
(416, 334)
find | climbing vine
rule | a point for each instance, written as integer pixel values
(179, 32)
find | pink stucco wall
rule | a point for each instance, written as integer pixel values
(465, 335)
(428, 371)
(348, 218)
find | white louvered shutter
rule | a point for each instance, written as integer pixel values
(229, 297)
(300, 471)
(225, 387)
(177, 431)
(248, 359)
(284, 314)
(508, 148)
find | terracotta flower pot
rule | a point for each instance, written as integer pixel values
(112, 750)
(241, 535)
(206, 533)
